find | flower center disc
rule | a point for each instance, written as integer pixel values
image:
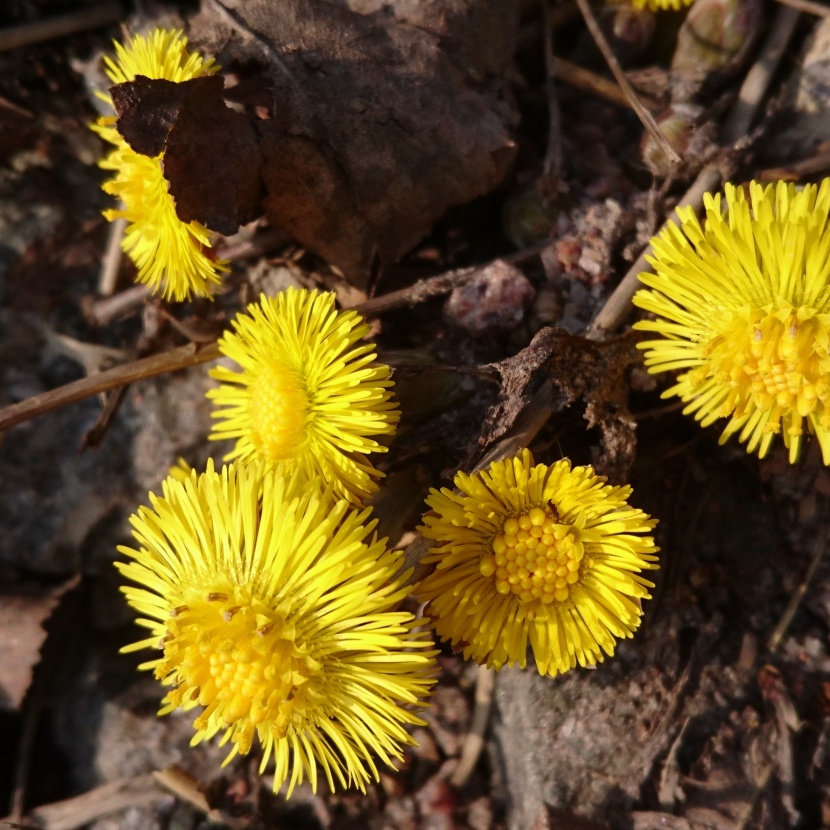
(775, 363)
(534, 557)
(239, 661)
(278, 409)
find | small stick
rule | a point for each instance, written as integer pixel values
(81, 810)
(752, 92)
(780, 630)
(100, 312)
(55, 27)
(552, 167)
(148, 367)
(798, 169)
(613, 64)
(759, 77)
(618, 305)
(818, 9)
(108, 277)
(436, 286)
(474, 741)
(582, 78)
(418, 292)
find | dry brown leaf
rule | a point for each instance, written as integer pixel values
(371, 128)
(211, 159)
(22, 616)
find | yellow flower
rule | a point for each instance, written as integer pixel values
(661, 5)
(181, 470)
(275, 612)
(307, 394)
(536, 554)
(743, 308)
(173, 257)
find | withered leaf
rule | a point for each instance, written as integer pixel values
(580, 369)
(597, 373)
(212, 158)
(22, 616)
(373, 129)
(515, 374)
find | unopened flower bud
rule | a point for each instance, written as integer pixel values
(681, 125)
(717, 34)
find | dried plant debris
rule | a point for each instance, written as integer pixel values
(23, 613)
(370, 129)
(579, 369)
(210, 151)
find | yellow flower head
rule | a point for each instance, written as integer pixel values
(275, 612)
(172, 257)
(661, 5)
(743, 309)
(533, 553)
(307, 394)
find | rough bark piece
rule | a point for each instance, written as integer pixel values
(372, 132)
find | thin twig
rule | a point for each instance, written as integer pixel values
(437, 286)
(418, 292)
(474, 741)
(759, 77)
(194, 354)
(613, 64)
(618, 305)
(101, 312)
(780, 630)
(148, 367)
(80, 810)
(552, 167)
(817, 9)
(55, 27)
(111, 264)
(751, 94)
(583, 78)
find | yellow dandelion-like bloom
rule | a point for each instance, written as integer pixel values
(546, 555)
(172, 257)
(308, 394)
(660, 5)
(743, 308)
(275, 612)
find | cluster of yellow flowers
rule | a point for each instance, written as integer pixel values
(276, 608)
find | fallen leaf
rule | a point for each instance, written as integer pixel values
(23, 613)
(212, 157)
(372, 129)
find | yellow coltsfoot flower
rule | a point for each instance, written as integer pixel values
(274, 605)
(660, 5)
(743, 309)
(535, 554)
(173, 257)
(308, 394)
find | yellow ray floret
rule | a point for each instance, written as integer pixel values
(743, 310)
(538, 555)
(173, 257)
(274, 607)
(308, 393)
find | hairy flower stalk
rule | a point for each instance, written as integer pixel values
(173, 257)
(742, 309)
(546, 556)
(275, 608)
(309, 393)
